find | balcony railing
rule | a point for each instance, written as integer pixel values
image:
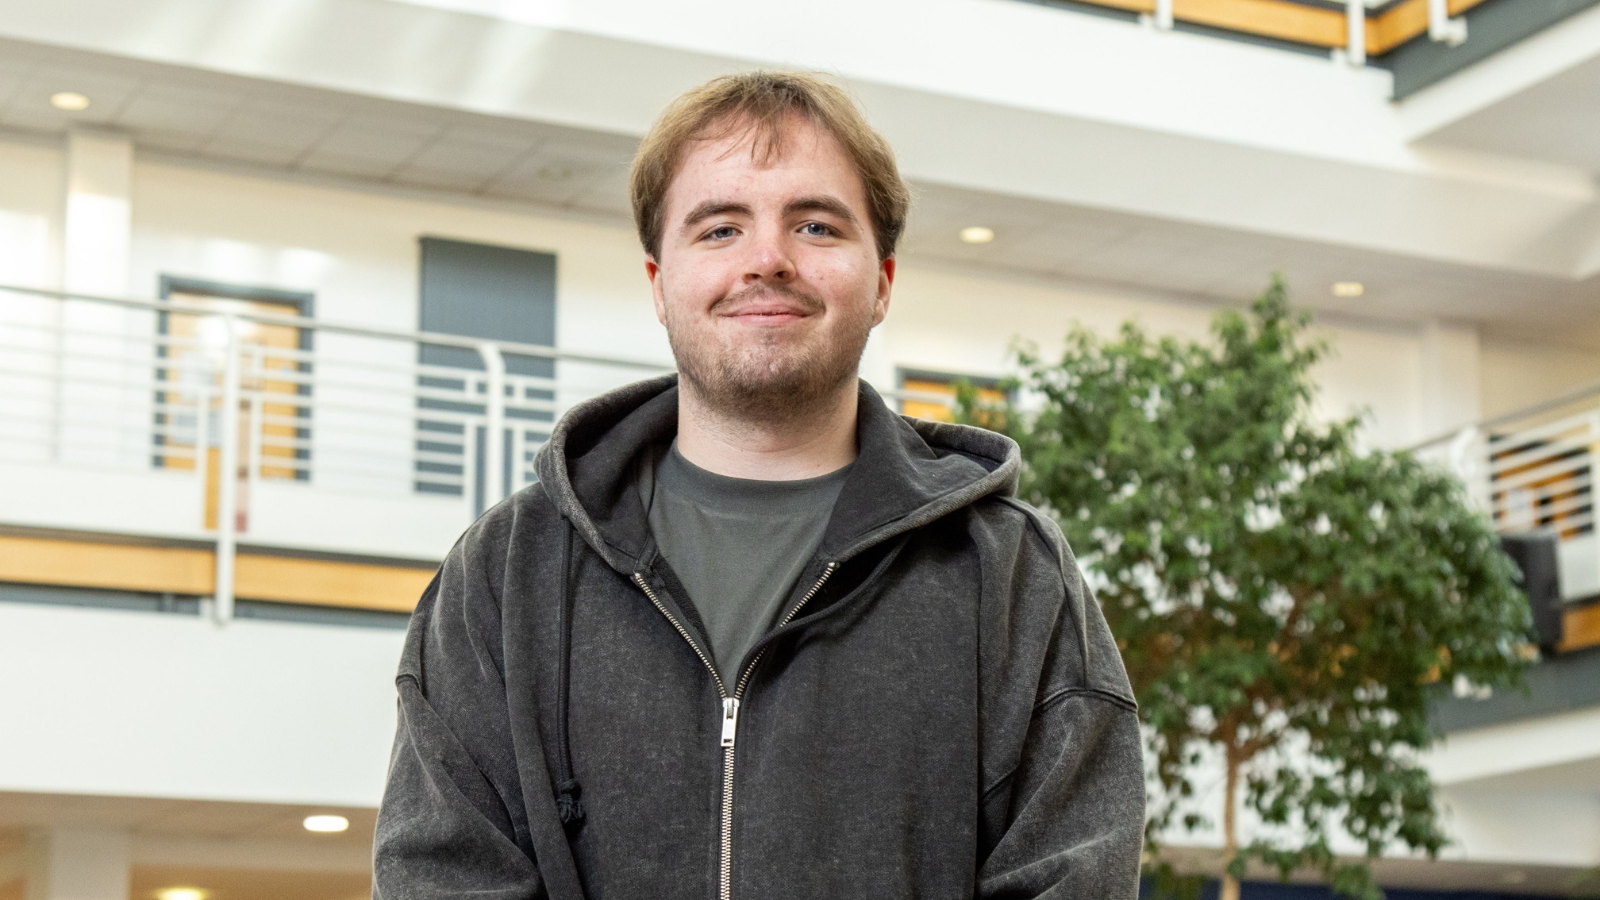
(177, 421)
(1362, 29)
(207, 429)
(1534, 471)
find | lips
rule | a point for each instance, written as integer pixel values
(759, 305)
(757, 312)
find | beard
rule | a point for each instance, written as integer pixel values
(771, 375)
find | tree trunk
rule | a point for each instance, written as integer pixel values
(1230, 830)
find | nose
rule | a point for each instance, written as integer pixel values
(769, 258)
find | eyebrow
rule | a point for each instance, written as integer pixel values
(823, 204)
(714, 208)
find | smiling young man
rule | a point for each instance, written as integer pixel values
(753, 634)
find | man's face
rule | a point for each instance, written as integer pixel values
(768, 279)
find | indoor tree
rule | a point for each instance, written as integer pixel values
(1285, 601)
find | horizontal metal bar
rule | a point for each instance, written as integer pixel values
(1546, 491)
(79, 421)
(154, 338)
(416, 337)
(1584, 421)
(143, 384)
(52, 440)
(1538, 452)
(1544, 510)
(1557, 402)
(1557, 471)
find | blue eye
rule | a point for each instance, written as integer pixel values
(720, 232)
(821, 230)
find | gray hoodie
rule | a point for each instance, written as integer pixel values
(939, 712)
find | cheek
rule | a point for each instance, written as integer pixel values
(846, 278)
(693, 283)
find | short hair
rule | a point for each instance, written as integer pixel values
(759, 103)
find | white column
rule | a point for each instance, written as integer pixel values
(98, 229)
(1452, 396)
(95, 415)
(72, 863)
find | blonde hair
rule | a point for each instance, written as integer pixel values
(759, 103)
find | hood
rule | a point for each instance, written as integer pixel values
(907, 472)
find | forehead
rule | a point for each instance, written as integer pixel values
(732, 167)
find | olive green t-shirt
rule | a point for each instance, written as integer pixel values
(738, 545)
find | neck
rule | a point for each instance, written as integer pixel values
(805, 444)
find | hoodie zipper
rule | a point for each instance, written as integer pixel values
(730, 718)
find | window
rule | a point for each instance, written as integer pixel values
(274, 366)
(925, 390)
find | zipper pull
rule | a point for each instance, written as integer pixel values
(730, 719)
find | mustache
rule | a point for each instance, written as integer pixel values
(807, 303)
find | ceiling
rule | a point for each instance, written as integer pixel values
(1556, 121)
(232, 851)
(182, 112)
(279, 824)
(283, 127)
(249, 884)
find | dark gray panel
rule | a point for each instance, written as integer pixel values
(1491, 27)
(1558, 684)
(483, 291)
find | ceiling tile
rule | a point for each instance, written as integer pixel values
(177, 111)
(173, 141)
(367, 147)
(11, 82)
(462, 164)
(535, 190)
(250, 152)
(357, 166)
(465, 182)
(286, 136)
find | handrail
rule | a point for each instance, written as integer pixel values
(424, 337)
(1556, 402)
(1303, 23)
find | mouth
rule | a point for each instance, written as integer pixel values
(767, 313)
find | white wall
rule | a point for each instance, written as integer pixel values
(1516, 374)
(951, 318)
(144, 704)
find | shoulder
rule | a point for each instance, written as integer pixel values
(1006, 528)
(1039, 601)
(512, 526)
(462, 606)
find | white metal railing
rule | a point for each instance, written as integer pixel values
(1533, 470)
(123, 416)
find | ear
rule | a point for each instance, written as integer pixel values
(885, 282)
(652, 269)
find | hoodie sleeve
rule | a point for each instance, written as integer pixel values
(1068, 820)
(452, 822)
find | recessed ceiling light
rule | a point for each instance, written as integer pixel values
(180, 893)
(326, 824)
(71, 101)
(977, 234)
(1348, 289)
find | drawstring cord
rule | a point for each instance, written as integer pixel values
(568, 806)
